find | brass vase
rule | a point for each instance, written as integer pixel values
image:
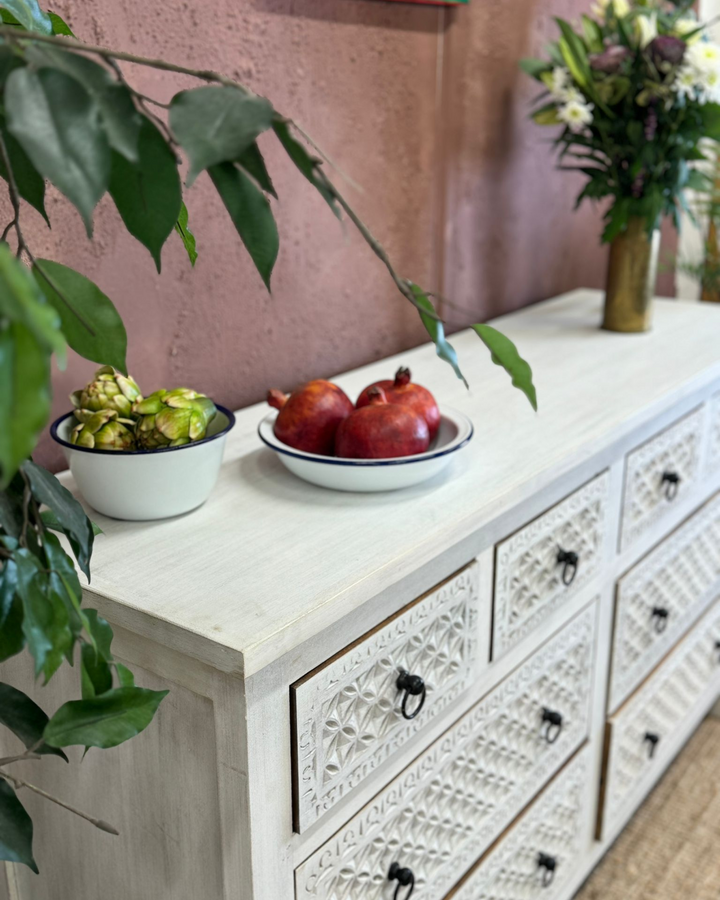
(632, 272)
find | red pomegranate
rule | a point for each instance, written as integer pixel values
(309, 417)
(381, 430)
(403, 391)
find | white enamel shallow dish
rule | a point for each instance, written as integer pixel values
(369, 475)
(146, 484)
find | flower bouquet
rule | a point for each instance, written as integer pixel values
(635, 88)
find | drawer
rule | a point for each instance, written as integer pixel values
(348, 714)
(530, 582)
(713, 457)
(445, 809)
(649, 494)
(660, 598)
(643, 736)
(541, 851)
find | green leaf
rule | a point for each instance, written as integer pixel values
(102, 634)
(52, 522)
(29, 15)
(593, 34)
(252, 161)
(22, 301)
(698, 181)
(30, 184)
(710, 118)
(187, 237)
(147, 193)
(12, 639)
(120, 119)
(16, 829)
(216, 124)
(25, 719)
(45, 621)
(70, 514)
(95, 673)
(504, 353)
(436, 330)
(547, 115)
(308, 165)
(11, 507)
(65, 584)
(251, 214)
(69, 148)
(108, 344)
(25, 397)
(106, 721)
(59, 26)
(125, 676)
(535, 67)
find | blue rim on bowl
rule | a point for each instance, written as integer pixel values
(461, 422)
(230, 416)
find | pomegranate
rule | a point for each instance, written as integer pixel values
(403, 391)
(381, 430)
(310, 415)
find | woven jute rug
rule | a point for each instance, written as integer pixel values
(670, 850)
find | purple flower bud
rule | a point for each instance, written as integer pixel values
(610, 60)
(666, 50)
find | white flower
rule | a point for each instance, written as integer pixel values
(561, 86)
(646, 29)
(601, 10)
(576, 115)
(685, 83)
(699, 77)
(703, 56)
(686, 25)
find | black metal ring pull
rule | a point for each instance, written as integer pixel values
(552, 724)
(548, 864)
(652, 740)
(404, 878)
(671, 482)
(569, 560)
(660, 617)
(414, 686)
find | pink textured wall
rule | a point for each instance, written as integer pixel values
(424, 107)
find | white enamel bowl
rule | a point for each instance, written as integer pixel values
(369, 475)
(139, 485)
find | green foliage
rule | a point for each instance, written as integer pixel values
(104, 721)
(30, 184)
(93, 327)
(504, 353)
(28, 14)
(16, 829)
(308, 165)
(186, 236)
(217, 124)
(25, 719)
(147, 193)
(251, 215)
(436, 330)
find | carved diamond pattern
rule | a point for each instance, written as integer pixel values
(528, 579)
(676, 449)
(554, 825)
(349, 713)
(689, 675)
(446, 808)
(714, 438)
(682, 575)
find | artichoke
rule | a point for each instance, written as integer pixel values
(109, 389)
(103, 430)
(172, 418)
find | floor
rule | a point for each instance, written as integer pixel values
(671, 848)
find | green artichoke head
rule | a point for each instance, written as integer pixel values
(172, 418)
(109, 389)
(103, 430)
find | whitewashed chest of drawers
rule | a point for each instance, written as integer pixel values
(463, 690)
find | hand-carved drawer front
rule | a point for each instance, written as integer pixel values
(540, 852)
(713, 457)
(660, 598)
(547, 561)
(657, 473)
(637, 734)
(355, 711)
(442, 812)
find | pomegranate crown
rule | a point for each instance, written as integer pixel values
(402, 376)
(376, 394)
(276, 398)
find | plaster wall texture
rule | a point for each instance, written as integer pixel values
(426, 110)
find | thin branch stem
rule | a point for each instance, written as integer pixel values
(6, 760)
(98, 823)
